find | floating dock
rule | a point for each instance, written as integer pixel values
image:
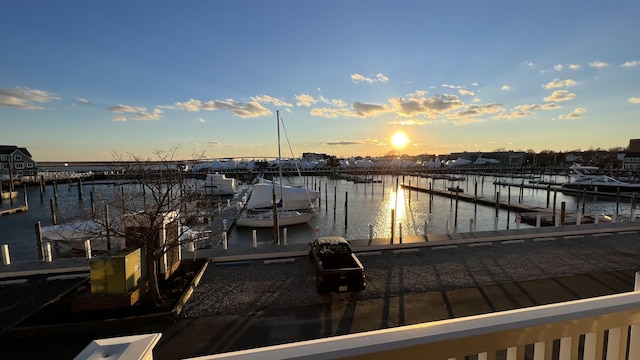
(14, 210)
(528, 213)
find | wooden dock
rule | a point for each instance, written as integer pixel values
(14, 210)
(528, 213)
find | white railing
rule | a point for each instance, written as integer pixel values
(606, 327)
(512, 333)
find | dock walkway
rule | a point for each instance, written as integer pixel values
(275, 252)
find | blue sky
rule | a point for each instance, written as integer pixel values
(84, 80)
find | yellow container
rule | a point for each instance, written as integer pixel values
(118, 274)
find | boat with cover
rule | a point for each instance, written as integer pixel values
(214, 184)
(265, 194)
(287, 197)
(591, 178)
(264, 219)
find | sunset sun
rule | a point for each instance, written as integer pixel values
(399, 139)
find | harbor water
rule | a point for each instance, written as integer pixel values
(345, 208)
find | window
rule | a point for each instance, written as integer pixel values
(19, 165)
(3, 158)
(29, 165)
(17, 157)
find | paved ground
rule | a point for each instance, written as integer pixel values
(253, 304)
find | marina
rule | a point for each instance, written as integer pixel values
(386, 207)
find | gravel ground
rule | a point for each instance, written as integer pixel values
(232, 290)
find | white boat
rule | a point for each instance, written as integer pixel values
(287, 197)
(214, 185)
(69, 239)
(265, 219)
(287, 200)
(591, 178)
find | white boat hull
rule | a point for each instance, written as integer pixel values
(265, 219)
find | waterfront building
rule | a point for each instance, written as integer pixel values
(16, 162)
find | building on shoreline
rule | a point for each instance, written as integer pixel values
(16, 162)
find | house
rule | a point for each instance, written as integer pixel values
(15, 163)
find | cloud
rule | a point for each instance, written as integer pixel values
(575, 66)
(201, 120)
(344, 142)
(505, 88)
(214, 143)
(449, 86)
(558, 67)
(598, 64)
(466, 92)
(634, 100)
(357, 78)
(477, 110)
(528, 63)
(305, 100)
(24, 98)
(418, 105)
(410, 122)
(244, 110)
(367, 110)
(334, 102)
(526, 109)
(576, 114)
(560, 95)
(559, 84)
(266, 99)
(82, 101)
(632, 63)
(138, 113)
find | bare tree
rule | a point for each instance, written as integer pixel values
(146, 211)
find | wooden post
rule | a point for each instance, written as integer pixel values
(393, 221)
(106, 222)
(562, 213)
(55, 192)
(54, 221)
(39, 243)
(41, 188)
(346, 210)
(80, 189)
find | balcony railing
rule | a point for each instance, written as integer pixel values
(606, 327)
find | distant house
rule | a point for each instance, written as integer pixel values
(15, 163)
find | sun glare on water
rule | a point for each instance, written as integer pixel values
(399, 139)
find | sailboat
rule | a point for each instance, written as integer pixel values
(265, 198)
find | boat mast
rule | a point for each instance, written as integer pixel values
(276, 226)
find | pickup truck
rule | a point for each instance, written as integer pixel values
(337, 267)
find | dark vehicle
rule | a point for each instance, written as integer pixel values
(337, 267)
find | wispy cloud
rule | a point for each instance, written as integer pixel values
(466, 92)
(575, 114)
(525, 110)
(634, 100)
(305, 100)
(25, 99)
(136, 113)
(505, 88)
(244, 110)
(598, 64)
(560, 95)
(377, 78)
(556, 83)
(632, 63)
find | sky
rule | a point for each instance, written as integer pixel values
(98, 80)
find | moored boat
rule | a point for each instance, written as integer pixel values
(214, 184)
(591, 178)
(265, 219)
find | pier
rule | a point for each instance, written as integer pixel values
(14, 210)
(528, 214)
